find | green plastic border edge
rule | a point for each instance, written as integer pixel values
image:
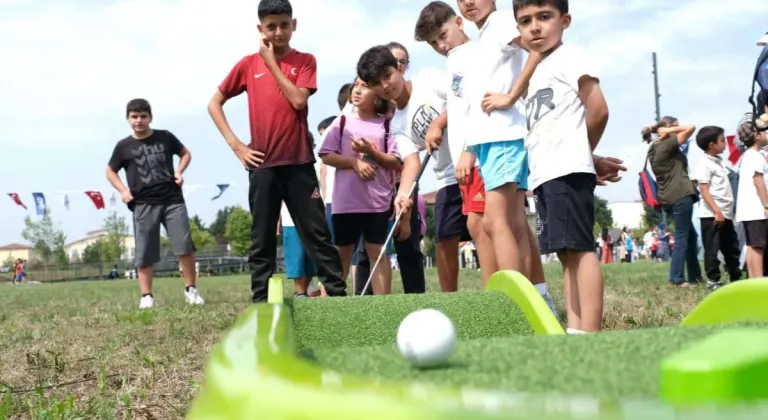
(255, 372)
(740, 301)
(524, 294)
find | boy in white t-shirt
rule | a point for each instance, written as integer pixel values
(420, 101)
(567, 115)
(470, 65)
(752, 197)
(716, 208)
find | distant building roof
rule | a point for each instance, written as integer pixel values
(13, 247)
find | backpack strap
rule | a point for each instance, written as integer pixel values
(387, 137)
(342, 123)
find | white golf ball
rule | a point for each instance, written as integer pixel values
(426, 337)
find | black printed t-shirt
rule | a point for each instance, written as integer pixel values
(148, 165)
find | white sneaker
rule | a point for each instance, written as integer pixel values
(192, 297)
(146, 302)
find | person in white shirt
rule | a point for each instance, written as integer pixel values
(420, 101)
(567, 115)
(716, 209)
(752, 197)
(471, 64)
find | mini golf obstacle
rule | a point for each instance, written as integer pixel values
(256, 371)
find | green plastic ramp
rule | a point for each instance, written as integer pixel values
(740, 301)
(519, 289)
(728, 367)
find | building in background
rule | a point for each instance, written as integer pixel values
(75, 248)
(14, 251)
(627, 214)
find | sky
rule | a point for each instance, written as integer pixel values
(72, 66)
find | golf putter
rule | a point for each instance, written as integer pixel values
(394, 226)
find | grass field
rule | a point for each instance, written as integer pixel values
(84, 350)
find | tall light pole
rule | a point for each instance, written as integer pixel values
(656, 96)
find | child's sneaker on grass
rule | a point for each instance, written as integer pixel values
(192, 297)
(146, 302)
(300, 295)
(713, 285)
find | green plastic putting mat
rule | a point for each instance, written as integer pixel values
(728, 367)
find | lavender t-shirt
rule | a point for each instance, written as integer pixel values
(351, 194)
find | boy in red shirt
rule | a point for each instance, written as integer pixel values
(279, 158)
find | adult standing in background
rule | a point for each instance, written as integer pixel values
(676, 193)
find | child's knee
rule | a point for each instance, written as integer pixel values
(475, 225)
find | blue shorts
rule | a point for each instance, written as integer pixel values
(502, 162)
(297, 262)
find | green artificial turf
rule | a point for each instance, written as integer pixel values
(373, 320)
(618, 364)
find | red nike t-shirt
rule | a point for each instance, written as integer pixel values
(277, 130)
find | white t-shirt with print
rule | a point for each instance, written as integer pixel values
(459, 121)
(712, 172)
(495, 67)
(409, 125)
(748, 204)
(557, 142)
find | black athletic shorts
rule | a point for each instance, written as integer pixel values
(756, 232)
(565, 213)
(449, 220)
(347, 228)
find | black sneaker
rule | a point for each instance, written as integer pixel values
(300, 295)
(714, 285)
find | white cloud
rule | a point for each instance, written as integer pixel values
(68, 63)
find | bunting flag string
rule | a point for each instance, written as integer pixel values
(97, 198)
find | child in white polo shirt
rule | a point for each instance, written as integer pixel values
(716, 208)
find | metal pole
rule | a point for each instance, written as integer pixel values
(656, 96)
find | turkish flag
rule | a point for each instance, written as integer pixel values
(97, 198)
(733, 151)
(16, 199)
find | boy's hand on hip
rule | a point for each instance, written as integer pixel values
(126, 196)
(433, 139)
(364, 170)
(248, 157)
(178, 178)
(464, 167)
(493, 101)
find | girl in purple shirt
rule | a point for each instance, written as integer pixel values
(364, 154)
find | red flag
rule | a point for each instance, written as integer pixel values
(16, 199)
(97, 198)
(733, 152)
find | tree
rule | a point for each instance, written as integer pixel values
(603, 216)
(8, 262)
(429, 216)
(200, 237)
(219, 226)
(113, 246)
(651, 217)
(238, 231)
(92, 253)
(196, 220)
(46, 237)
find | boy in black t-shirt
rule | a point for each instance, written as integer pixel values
(154, 196)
